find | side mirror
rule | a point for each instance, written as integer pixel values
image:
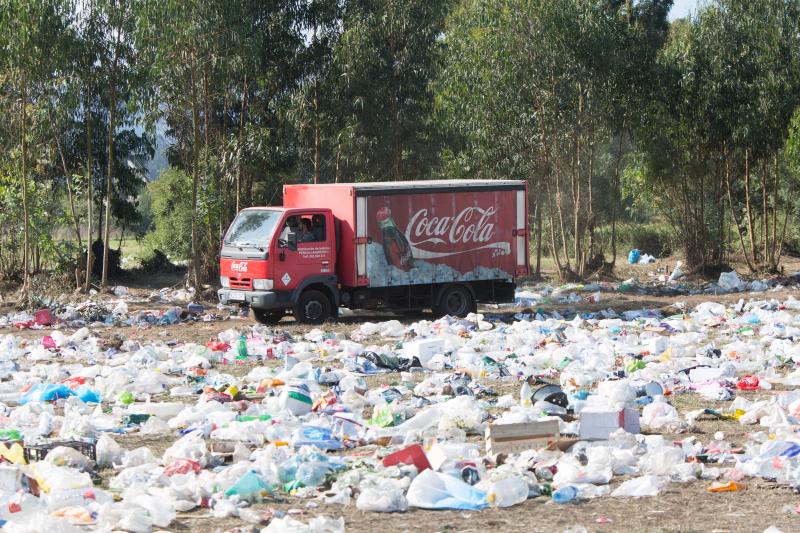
(291, 239)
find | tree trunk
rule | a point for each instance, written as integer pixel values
(765, 212)
(702, 228)
(561, 220)
(195, 178)
(783, 233)
(773, 258)
(749, 206)
(720, 205)
(733, 210)
(26, 216)
(317, 149)
(69, 193)
(89, 201)
(242, 119)
(110, 164)
(538, 272)
(576, 190)
(615, 201)
(338, 175)
(589, 201)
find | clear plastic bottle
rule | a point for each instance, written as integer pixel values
(525, 395)
(505, 492)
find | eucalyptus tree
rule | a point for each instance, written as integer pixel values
(31, 32)
(543, 90)
(383, 65)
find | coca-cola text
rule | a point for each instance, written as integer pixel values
(471, 225)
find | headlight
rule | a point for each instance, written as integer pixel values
(224, 281)
(262, 284)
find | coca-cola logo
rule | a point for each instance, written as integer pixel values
(471, 225)
(239, 266)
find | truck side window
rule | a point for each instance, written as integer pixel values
(318, 227)
(305, 231)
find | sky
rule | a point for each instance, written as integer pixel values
(681, 8)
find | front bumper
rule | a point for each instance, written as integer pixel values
(255, 299)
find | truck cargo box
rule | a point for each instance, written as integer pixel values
(423, 232)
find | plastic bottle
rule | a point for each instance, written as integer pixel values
(525, 394)
(241, 347)
(565, 494)
(506, 492)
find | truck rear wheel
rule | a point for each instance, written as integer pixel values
(268, 317)
(313, 307)
(455, 300)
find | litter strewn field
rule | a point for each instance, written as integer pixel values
(210, 422)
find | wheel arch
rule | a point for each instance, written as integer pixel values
(327, 285)
(437, 297)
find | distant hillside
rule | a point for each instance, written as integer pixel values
(159, 161)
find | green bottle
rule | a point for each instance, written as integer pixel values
(241, 347)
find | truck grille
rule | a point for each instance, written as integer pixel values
(241, 283)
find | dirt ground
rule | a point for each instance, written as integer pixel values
(682, 507)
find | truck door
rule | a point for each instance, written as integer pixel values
(521, 234)
(314, 254)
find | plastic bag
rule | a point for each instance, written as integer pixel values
(432, 490)
(190, 446)
(641, 486)
(64, 456)
(383, 496)
(250, 488)
(729, 281)
(320, 524)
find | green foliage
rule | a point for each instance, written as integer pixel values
(171, 209)
(616, 117)
(655, 239)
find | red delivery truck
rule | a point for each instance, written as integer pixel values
(444, 245)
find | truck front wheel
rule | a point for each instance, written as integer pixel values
(313, 307)
(268, 317)
(455, 300)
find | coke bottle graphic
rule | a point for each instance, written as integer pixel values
(395, 244)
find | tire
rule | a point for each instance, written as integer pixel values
(268, 317)
(455, 300)
(313, 307)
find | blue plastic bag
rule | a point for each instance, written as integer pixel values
(320, 437)
(46, 392)
(88, 395)
(634, 256)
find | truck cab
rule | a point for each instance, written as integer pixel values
(274, 258)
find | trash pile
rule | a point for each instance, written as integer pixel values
(448, 414)
(672, 283)
(117, 312)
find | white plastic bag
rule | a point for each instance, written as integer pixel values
(108, 451)
(641, 486)
(432, 490)
(190, 446)
(383, 496)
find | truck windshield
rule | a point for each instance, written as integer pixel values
(252, 228)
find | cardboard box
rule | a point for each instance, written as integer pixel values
(599, 425)
(515, 438)
(423, 349)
